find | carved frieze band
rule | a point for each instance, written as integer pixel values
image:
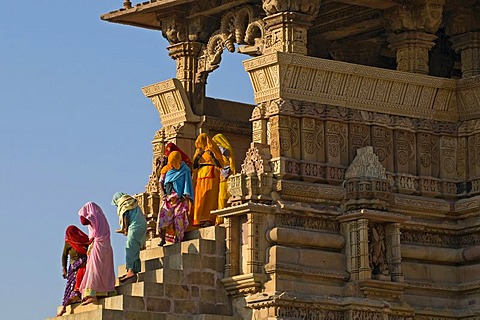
(226, 126)
(304, 270)
(307, 223)
(291, 76)
(447, 240)
(298, 191)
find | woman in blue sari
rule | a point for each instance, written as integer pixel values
(176, 182)
(134, 225)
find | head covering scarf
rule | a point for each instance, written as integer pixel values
(174, 162)
(98, 227)
(181, 179)
(77, 239)
(207, 144)
(170, 147)
(124, 202)
(222, 141)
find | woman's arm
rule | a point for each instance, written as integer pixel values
(66, 248)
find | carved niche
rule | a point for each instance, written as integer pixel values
(366, 183)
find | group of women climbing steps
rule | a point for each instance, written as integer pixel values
(191, 190)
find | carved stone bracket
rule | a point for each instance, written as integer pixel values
(170, 100)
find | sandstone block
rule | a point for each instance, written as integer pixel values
(143, 315)
(157, 252)
(172, 276)
(185, 307)
(208, 296)
(158, 304)
(201, 278)
(151, 276)
(140, 289)
(124, 303)
(180, 317)
(177, 291)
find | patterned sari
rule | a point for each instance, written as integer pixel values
(177, 181)
(78, 242)
(74, 278)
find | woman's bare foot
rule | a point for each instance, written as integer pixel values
(130, 274)
(88, 300)
(61, 312)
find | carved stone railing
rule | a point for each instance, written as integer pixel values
(296, 77)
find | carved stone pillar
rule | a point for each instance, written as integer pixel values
(186, 56)
(287, 24)
(394, 251)
(468, 44)
(364, 271)
(413, 26)
(186, 47)
(232, 225)
(259, 125)
(463, 25)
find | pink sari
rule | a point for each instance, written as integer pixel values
(99, 278)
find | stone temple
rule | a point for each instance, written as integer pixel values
(358, 192)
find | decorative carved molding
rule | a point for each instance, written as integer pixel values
(296, 269)
(295, 77)
(307, 223)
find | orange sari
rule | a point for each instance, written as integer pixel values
(207, 179)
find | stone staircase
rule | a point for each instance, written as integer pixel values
(177, 282)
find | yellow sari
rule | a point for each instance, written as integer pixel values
(207, 163)
(228, 169)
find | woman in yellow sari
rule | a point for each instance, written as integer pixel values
(227, 170)
(207, 162)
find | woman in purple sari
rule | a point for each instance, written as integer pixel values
(76, 243)
(99, 278)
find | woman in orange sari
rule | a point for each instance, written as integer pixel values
(207, 163)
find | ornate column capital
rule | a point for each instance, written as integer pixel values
(468, 44)
(287, 24)
(413, 25)
(308, 7)
(463, 26)
(415, 15)
(174, 27)
(463, 18)
(412, 50)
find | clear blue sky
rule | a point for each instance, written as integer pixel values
(74, 127)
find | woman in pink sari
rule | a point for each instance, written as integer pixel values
(99, 278)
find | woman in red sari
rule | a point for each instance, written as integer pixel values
(76, 243)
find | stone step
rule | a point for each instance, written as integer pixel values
(141, 289)
(98, 314)
(159, 252)
(216, 233)
(105, 314)
(213, 317)
(203, 246)
(146, 265)
(189, 261)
